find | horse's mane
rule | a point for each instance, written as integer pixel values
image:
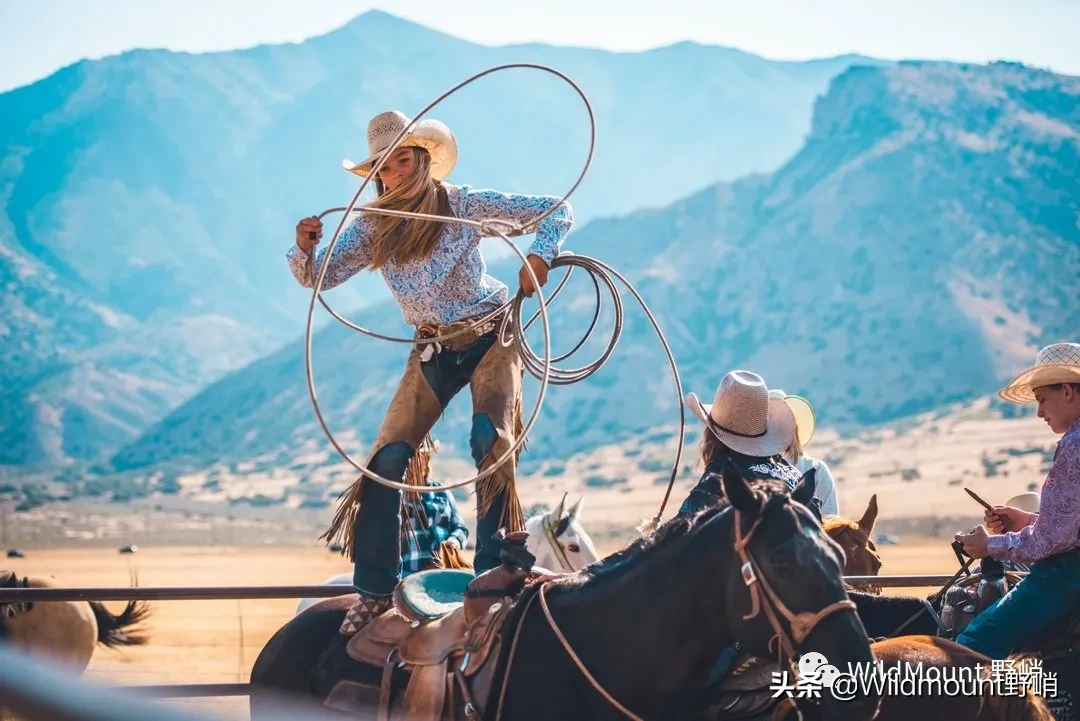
(670, 532)
(833, 523)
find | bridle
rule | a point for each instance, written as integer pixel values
(552, 533)
(801, 624)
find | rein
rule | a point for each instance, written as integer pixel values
(802, 624)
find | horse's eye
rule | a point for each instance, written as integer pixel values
(574, 548)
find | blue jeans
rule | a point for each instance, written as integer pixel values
(377, 536)
(1049, 594)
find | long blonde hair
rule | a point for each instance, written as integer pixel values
(406, 239)
(794, 452)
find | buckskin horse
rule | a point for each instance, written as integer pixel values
(66, 632)
(632, 636)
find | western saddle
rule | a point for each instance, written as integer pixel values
(443, 630)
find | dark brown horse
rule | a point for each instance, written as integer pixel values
(647, 623)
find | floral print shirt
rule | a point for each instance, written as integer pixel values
(1056, 528)
(452, 284)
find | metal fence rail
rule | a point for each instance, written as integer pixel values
(173, 593)
(35, 690)
(229, 593)
(211, 593)
(41, 692)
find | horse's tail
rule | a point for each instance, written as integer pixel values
(119, 630)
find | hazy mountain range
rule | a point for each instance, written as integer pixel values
(146, 199)
(918, 250)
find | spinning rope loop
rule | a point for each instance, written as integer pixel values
(511, 311)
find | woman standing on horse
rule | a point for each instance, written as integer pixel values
(438, 277)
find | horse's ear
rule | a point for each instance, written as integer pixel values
(575, 510)
(556, 514)
(805, 490)
(866, 523)
(738, 491)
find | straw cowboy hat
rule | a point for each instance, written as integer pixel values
(805, 418)
(744, 417)
(431, 135)
(1057, 363)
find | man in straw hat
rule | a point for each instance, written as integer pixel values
(438, 276)
(805, 424)
(1049, 539)
(747, 427)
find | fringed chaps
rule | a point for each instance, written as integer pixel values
(496, 392)
(414, 410)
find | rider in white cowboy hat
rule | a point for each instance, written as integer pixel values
(805, 423)
(1048, 539)
(437, 275)
(747, 427)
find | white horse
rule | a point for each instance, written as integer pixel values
(557, 539)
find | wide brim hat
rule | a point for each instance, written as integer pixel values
(1025, 502)
(431, 135)
(1056, 363)
(805, 418)
(744, 417)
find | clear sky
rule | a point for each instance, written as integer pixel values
(38, 37)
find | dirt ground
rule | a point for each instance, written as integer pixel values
(218, 641)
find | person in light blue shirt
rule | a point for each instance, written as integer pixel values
(806, 422)
(438, 276)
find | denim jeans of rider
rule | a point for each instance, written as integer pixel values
(1049, 594)
(377, 541)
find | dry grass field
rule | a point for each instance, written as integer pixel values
(218, 641)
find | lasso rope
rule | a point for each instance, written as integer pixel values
(511, 311)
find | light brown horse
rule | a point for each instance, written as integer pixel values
(67, 632)
(946, 656)
(861, 556)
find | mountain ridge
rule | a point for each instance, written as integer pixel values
(163, 187)
(907, 225)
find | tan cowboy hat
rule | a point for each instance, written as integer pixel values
(1025, 502)
(744, 417)
(431, 135)
(805, 418)
(1057, 363)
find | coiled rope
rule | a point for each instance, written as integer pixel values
(512, 329)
